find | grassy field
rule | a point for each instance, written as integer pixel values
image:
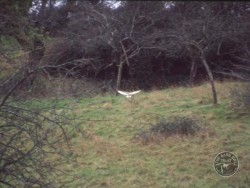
(106, 155)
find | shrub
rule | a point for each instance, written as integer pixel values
(177, 125)
(242, 95)
(164, 128)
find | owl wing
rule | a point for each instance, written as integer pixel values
(122, 92)
(135, 92)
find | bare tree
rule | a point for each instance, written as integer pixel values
(137, 37)
(115, 37)
(200, 35)
(34, 141)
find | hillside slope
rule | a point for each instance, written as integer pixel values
(108, 156)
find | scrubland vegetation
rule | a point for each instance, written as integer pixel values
(62, 122)
(111, 148)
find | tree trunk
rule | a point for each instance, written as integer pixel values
(119, 75)
(192, 72)
(210, 75)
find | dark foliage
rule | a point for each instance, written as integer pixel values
(156, 47)
(241, 95)
(177, 125)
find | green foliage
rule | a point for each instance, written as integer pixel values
(9, 45)
(10, 49)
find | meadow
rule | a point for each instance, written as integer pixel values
(106, 153)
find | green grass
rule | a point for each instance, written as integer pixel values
(107, 156)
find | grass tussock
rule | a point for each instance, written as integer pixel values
(241, 95)
(174, 126)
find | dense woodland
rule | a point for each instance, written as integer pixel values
(127, 44)
(110, 45)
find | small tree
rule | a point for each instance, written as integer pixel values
(201, 28)
(34, 141)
